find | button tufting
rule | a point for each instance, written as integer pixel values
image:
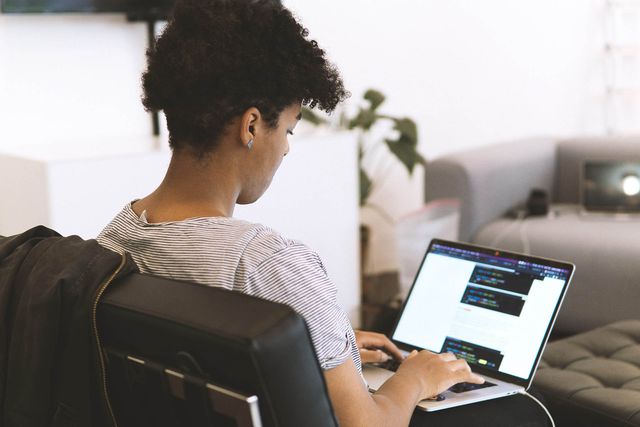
(595, 373)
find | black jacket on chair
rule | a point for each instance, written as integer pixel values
(49, 290)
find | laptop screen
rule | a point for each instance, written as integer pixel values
(611, 186)
(494, 309)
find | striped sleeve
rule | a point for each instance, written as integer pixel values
(295, 276)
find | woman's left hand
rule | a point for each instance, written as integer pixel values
(376, 348)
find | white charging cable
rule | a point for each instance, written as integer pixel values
(524, 392)
(522, 225)
(524, 238)
(506, 230)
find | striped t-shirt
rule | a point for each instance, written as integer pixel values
(244, 257)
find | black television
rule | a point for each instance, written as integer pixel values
(159, 9)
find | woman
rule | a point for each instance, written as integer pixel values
(231, 77)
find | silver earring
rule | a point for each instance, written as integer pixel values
(250, 144)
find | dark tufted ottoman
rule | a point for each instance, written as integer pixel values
(593, 379)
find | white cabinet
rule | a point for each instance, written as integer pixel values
(77, 189)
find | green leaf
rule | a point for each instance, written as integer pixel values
(404, 147)
(403, 152)
(365, 187)
(311, 117)
(375, 98)
(364, 120)
(407, 127)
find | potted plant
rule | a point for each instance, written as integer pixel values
(402, 145)
(400, 141)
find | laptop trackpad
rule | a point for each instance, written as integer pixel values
(464, 387)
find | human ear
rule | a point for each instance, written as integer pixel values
(248, 123)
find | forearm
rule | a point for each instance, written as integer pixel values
(396, 400)
(391, 406)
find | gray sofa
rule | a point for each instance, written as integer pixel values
(489, 181)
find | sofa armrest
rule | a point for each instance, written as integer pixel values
(491, 180)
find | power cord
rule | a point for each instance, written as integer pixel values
(524, 238)
(524, 392)
(519, 219)
(522, 225)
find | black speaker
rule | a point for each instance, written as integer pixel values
(537, 203)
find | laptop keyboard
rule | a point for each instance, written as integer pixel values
(393, 364)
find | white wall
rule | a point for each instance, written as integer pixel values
(71, 78)
(470, 72)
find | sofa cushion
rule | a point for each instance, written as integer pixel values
(606, 285)
(594, 376)
(491, 180)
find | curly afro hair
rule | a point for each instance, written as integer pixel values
(217, 58)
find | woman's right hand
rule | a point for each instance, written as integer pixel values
(420, 376)
(437, 372)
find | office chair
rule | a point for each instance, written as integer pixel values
(182, 354)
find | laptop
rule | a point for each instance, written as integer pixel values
(610, 187)
(492, 308)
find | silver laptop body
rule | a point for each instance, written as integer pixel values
(493, 308)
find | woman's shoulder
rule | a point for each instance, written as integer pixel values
(236, 235)
(264, 238)
(263, 244)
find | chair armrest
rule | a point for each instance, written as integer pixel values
(490, 180)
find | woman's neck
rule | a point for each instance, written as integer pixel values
(192, 188)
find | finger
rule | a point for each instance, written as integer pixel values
(367, 334)
(464, 375)
(448, 357)
(460, 365)
(366, 339)
(387, 345)
(475, 378)
(375, 339)
(373, 356)
(428, 353)
(412, 354)
(394, 351)
(468, 377)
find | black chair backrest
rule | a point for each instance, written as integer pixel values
(182, 354)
